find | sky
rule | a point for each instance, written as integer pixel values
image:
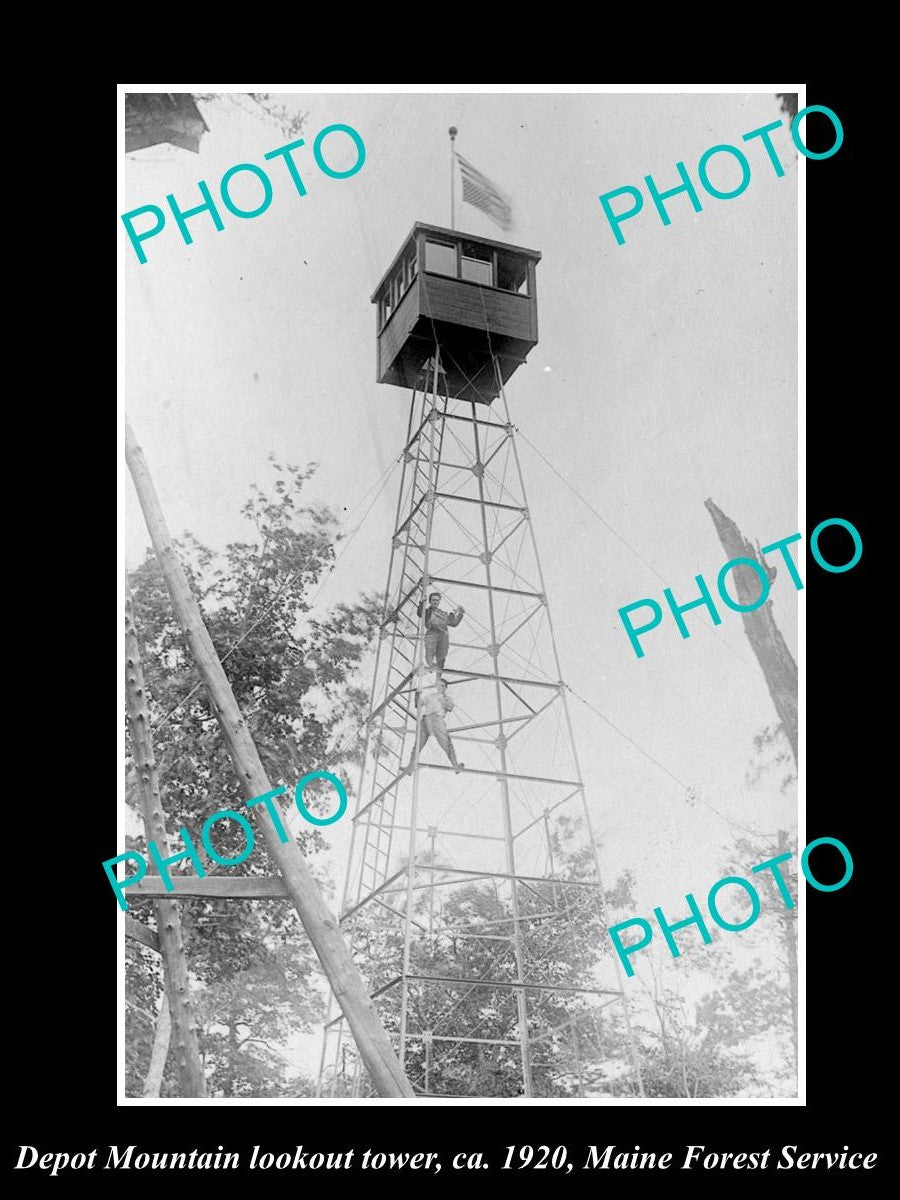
(665, 373)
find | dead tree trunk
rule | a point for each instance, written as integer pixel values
(320, 924)
(171, 944)
(769, 646)
(160, 1051)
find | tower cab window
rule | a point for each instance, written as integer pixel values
(477, 264)
(440, 258)
(396, 287)
(409, 268)
(512, 273)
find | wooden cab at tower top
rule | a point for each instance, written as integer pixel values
(472, 297)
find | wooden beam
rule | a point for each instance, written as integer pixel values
(140, 933)
(319, 921)
(213, 887)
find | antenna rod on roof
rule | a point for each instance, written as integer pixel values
(453, 132)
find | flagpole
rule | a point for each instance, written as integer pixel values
(453, 132)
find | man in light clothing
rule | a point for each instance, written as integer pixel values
(435, 703)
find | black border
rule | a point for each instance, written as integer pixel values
(65, 1084)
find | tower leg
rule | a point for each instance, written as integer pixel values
(486, 957)
(521, 998)
(435, 438)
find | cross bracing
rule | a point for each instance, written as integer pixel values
(472, 899)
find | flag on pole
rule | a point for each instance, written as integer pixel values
(480, 192)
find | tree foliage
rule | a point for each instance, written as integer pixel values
(739, 1036)
(292, 672)
(465, 932)
(685, 1055)
(772, 759)
(261, 105)
(788, 103)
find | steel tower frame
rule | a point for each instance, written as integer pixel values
(462, 523)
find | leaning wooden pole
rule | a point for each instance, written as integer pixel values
(769, 646)
(319, 922)
(171, 943)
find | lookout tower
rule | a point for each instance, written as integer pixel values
(473, 901)
(475, 296)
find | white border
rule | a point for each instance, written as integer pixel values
(423, 1101)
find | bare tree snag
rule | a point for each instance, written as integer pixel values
(320, 924)
(768, 645)
(160, 1051)
(171, 944)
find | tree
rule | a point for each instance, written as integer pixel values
(683, 1052)
(467, 935)
(173, 118)
(262, 105)
(763, 998)
(772, 757)
(738, 1037)
(143, 992)
(788, 103)
(292, 672)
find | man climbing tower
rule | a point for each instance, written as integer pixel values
(435, 703)
(437, 639)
